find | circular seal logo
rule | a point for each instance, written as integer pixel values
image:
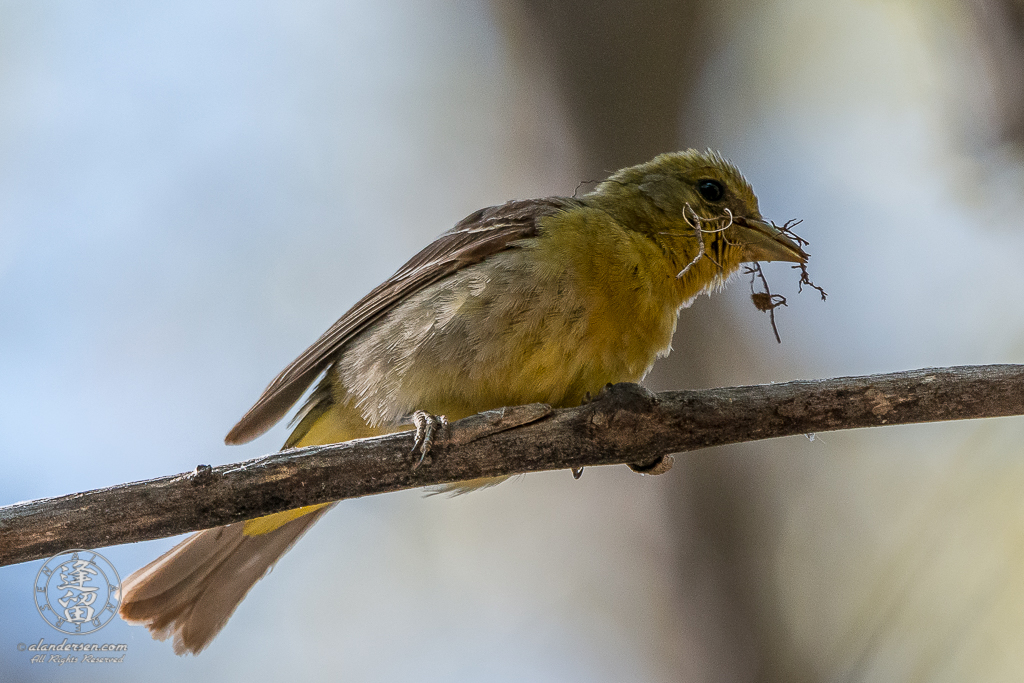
(77, 591)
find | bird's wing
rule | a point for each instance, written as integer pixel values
(481, 234)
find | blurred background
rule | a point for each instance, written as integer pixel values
(191, 192)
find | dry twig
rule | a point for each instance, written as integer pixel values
(625, 424)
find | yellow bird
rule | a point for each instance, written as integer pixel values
(539, 300)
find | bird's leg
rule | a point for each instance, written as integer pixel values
(427, 426)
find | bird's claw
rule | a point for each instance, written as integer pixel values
(427, 426)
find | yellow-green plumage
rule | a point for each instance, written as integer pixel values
(584, 303)
(538, 301)
(590, 300)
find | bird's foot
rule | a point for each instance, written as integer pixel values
(427, 426)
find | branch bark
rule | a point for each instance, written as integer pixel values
(625, 424)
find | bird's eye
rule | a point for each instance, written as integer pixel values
(710, 190)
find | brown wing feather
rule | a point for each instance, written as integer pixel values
(479, 235)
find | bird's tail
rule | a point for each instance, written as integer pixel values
(191, 591)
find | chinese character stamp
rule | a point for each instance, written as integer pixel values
(77, 591)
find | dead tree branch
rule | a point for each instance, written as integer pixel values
(626, 424)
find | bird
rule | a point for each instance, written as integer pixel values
(533, 301)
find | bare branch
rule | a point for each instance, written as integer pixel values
(625, 424)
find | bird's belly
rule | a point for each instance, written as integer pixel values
(490, 337)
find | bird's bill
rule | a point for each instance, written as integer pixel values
(764, 242)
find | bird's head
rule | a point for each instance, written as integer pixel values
(691, 193)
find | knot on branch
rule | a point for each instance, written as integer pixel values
(200, 476)
(619, 405)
